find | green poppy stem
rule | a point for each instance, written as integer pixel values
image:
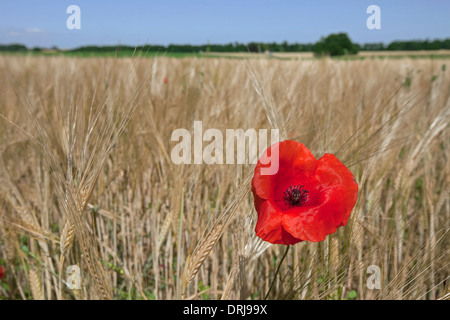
(276, 272)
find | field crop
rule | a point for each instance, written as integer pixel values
(87, 179)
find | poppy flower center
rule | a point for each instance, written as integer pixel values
(295, 196)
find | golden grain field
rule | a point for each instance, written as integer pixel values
(86, 177)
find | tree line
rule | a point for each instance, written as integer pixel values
(334, 44)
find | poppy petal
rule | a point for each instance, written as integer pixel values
(295, 162)
(316, 222)
(269, 227)
(257, 200)
(330, 172)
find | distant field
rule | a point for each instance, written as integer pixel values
(405, 53)
(441, 54)
(365, 54)
(86, 176)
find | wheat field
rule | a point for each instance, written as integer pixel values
(86, 177)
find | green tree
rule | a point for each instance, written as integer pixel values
(335, 45)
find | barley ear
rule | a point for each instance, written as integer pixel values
(35, 285)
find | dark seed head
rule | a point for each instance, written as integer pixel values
(295, 196)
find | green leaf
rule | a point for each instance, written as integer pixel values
(352, 294)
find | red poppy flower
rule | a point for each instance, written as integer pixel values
(305, 199)
(2, 272)
(165, 80)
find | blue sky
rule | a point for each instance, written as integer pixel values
(134, 22)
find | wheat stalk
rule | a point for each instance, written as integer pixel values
(35, 285)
